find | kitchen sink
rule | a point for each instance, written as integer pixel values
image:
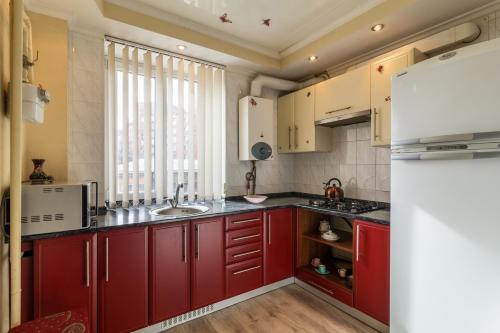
(179, 211)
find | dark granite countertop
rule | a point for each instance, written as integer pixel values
(121, 217)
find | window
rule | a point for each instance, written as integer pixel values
(180, 111)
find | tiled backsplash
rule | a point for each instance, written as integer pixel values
(86, 110)
(363, 169)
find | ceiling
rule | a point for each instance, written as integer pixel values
(334, 30)
(292, 21)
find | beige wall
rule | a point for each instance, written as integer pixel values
(50, 139)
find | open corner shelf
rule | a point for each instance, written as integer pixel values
(331, 278)
(343, 244)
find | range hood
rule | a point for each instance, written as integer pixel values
(354, 117)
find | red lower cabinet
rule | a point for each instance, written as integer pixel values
(123, 280)
(243, 276)
(371, 269)
(169, 279)
(207, 262)
(65, 275)
(278, 245)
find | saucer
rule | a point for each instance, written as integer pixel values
(332, 239)
(325, 273)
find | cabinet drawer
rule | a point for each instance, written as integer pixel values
(339, 293)
(244, 276)
(240, 221)
(243, 252)
(243, 236)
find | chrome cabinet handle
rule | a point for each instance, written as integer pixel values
(245, 253)
(245, 221)
(106, 259)
(87, 263)
(374, 121)
(289, 137)
(197, 242)
(246, 237)
(184, 244)
(320, 287)
(246, 270)
(269, 229)
(341, 109)
(296, 136)
(357, 243)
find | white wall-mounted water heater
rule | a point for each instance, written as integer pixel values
(256, 129)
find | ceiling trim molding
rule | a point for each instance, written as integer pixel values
(361, 22)
(127, 16)
(330, 27)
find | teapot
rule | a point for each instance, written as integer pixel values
(332, 191)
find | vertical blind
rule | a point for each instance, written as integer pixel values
(165, 126)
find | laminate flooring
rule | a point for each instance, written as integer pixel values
(288, 309)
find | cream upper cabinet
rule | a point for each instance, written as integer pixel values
(296, 130)
(343, 94)
(285, 124)
(381, 75)
(304, 129)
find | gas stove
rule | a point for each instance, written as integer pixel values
(353, 206)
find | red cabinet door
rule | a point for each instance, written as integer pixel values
(65, 275)
(169, 280)
(371, 269)
(207, 262)
(123, 280)
(278, 245)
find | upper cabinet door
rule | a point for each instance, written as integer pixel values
(169, 277)
(304, 129)
(207, 262)
(343, 94)
(382, 73)
(278, 245)
(65, 275)
(285, 124)
(123, 280)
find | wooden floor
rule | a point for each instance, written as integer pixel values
(289, 309)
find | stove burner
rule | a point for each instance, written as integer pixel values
(347, 206)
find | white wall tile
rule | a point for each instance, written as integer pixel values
(365, 175)
(363, 132)
(383, 177)
(347, 152)
(365, 153)
(348, 133)
(383, 196)
(382, 156)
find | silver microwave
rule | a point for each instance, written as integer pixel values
(47, 208)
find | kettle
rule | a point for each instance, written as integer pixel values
(332, 191)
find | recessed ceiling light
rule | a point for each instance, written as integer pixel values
(181, 47)
(313, 58)
(378, 27)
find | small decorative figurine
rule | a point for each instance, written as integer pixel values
(224, 19)
(38, 176)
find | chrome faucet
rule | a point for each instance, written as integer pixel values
(175, 200)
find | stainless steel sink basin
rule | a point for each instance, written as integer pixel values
(179, 211)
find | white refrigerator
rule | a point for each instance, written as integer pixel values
(445, 194)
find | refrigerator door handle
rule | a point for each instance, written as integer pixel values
(453, 155)
(448, 138)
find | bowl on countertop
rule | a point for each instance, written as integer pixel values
(255, 199)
